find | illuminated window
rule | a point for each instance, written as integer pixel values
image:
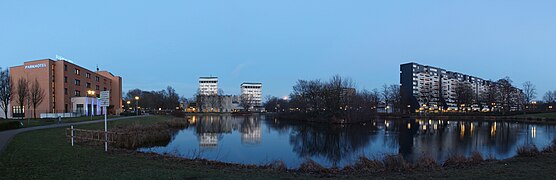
(88, 75)
(77, 72)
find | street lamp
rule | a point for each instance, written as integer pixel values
(91, 93)
(137, 105)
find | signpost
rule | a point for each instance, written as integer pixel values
(105, 102)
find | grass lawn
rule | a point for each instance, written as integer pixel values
(42, 122)
(46, 154)
(540, 115)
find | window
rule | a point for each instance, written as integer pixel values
(88, 75)
(77, 72)
(65, 79)
(104, 89)
(88, 85)
(77, 93)
(66, 91)
(97, 88)
(97, 79)
(77, 82)
(65, 67)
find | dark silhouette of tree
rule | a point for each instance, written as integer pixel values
(6, 90)
(464, 95)
(22, 91)
(37, 95)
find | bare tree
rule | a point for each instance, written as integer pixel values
(530, 91)
(22, 92)
(246, 101)
(549, 97)
(36, 96)
(464, 95)
(6, 90)
(506, 92)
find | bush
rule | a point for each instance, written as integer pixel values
(277, 165)
(7, 125)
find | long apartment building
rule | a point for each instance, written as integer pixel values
(435, 87)
(253, 91)
(67, 87)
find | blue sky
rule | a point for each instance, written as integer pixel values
(152, 44)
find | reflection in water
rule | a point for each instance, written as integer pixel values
(256, 139)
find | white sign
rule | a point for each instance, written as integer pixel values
(35, 66)
(105, 98)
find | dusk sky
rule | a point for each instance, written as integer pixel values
(153, 44)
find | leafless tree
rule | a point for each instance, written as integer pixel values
(395, 97)
(246, 101)
(549, 97)
(530, 91)
(36, 96)
(6, 90)
(506, 92)
(22, 92)
(464, 94)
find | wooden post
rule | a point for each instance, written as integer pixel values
(71, 135)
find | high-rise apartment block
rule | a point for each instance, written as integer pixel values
(435, 88)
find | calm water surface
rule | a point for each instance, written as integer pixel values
(260, 140)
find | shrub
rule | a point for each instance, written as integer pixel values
(7, 125)
(528, 151)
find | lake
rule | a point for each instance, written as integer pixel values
(261, 139)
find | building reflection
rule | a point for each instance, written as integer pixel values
(341, 144)
(210, 130)
(251, 130)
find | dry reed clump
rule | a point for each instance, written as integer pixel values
(476, 158)
(426, 162)
(528, 151)
(368, 165)
(456, 160)
(395, 163)
(551, 148)
(145, 135)
(276, 165)
(311, 166)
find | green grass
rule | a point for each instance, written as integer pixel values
(551, 115)
(46, 154)
(43, 122)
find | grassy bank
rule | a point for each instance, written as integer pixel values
(43, 122)
(46, 154)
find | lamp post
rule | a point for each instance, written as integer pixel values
(128, 104)
(91, 93)
(137, 105)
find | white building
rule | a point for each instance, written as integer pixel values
(208, 86)
(253, 91)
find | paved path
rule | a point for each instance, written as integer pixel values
(6, 136)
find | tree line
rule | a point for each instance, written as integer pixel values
(167, 99)
(336, 99)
